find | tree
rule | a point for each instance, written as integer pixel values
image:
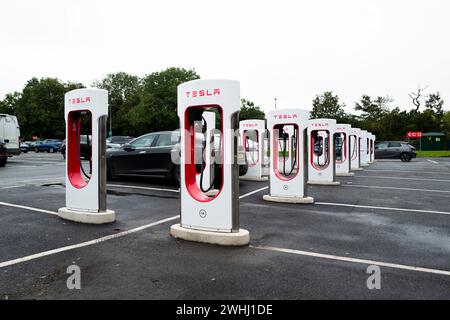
(250, 111)
(9, 104)
(416, 97)
(157, 108)
(39, 107)
(124, 93)
(327, 105)
(372, 110)
(435, 104)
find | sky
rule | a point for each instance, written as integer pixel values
(289, 50)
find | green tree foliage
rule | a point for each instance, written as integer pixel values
(9, 104)
(124, 93)
(40, 107)
(327, 105)
(372, 110)
(250, 111)
(157, 108)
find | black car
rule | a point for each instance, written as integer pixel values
(3, 154)
(85, 148)
(149, 155)
(395, 150)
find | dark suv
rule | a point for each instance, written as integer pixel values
(3, 154)
(395, 150)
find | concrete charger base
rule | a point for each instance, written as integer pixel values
(87, 217)
(299, 200)
(250, 178)
(324, 183)
(241, 238)
(357, 169)
(346, 174)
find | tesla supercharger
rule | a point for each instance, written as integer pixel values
(321, 152)
(342, 153)
(287, 134)
(253, 135)
(355, 142)
(364, 150)
(372, 148)
(86, 182)
(204, 217)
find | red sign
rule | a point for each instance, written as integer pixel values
(414, 134)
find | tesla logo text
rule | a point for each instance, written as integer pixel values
(79, 100)
(319, 124)
(203, 93)
(250, 125)
(285, 116)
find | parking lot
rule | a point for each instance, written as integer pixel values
(394, 215)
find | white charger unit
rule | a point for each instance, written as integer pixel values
(287, 134)
(321, 152)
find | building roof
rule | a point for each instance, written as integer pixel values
(434, 134)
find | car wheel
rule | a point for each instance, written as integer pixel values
(176, 175)
(3, 161)
(405, 157)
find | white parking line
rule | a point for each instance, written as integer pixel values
(92, 242)
(12, 205)
(354, 260)
(402, 178)
(408, 171)
(394, 188)
(432, 161)
(83, 244)
(37, 179)
(143, 188)
(379, 208)
(253, 192)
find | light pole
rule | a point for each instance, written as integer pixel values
(275, 103)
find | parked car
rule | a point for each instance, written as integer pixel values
(85, 149)
(395, 150)
(117, 141)
(49, 145)
(24, 147)
(149, 155)
(3, 153)
(10, 132)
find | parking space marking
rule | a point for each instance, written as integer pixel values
(84, 244)
(253, 192)
(432, 161)
(379, 208)
(407, 171)
(143, 188)
(394, 188)
(38, 179)
(96, 241)
(402, 178)
(12, 205)
(353, 260)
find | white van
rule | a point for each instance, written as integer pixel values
(10, 132)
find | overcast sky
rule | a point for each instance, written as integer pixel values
(291, 50)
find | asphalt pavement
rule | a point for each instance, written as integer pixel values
(393, 215)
